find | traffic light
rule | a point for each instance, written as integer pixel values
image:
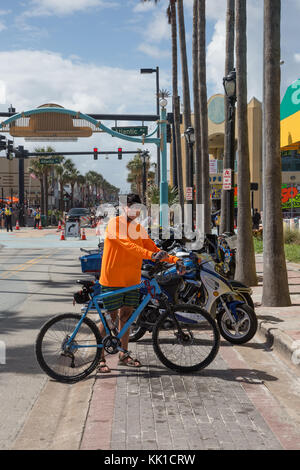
(2, 142)
(95, 153)
(169, 134)
(119, 153)
(10, 149)
(20, 152)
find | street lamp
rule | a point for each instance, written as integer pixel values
(229, 84)
(163, 193)
(156, 70)
(189, 135)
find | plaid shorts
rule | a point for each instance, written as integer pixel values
(114, 302)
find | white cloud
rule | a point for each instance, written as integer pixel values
(62, 7)
(144, 7)
(2, 26)
(158, 28)
(153, 51)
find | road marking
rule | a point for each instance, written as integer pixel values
(23, 267)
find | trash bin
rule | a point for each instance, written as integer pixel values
(43, 220)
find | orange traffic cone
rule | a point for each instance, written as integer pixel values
(40, 226)
(83, 237)
(17, 225)
(59, 225)
(62, 235)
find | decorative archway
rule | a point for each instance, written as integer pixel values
(55, 121)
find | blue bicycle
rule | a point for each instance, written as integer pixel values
(69, 346)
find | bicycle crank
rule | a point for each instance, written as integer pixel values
(111, 344)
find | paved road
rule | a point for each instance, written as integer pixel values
(247, 399)
(35, 285)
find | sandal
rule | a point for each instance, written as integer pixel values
(127, 360)
(102, 366)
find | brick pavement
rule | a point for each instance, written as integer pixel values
(154, 408)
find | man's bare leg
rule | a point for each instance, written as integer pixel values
(103, 367)
(125, 313)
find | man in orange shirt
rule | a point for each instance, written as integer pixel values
(126, 245)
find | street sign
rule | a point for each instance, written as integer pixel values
(72, 230)
(189, 194)
(132, 131)
(49, 161)
(227, 180)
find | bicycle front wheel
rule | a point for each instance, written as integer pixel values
(63, 362)
(186, 339)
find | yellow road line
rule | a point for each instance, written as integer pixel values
(22, 267)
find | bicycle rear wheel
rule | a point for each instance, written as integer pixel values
(64, 363)
(186, 339)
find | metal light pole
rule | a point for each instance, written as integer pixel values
(163, 197)
(144, 156)
(156, 70)
(190, 138)
(229, 84)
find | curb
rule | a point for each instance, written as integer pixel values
(281, 343)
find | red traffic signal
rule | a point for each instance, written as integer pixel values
(95, 153)
(119, 153)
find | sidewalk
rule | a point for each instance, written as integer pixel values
(229, 405)
(281, 325)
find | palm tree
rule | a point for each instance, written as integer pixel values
(246, 270)
(81, 183)
(275, 286)
(204, 116)
(45, 171)
(171, 14)
(37, 169)
(63, 178)
(185, 85)
(229, 65)
(197, 126)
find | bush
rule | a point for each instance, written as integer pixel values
(292, 237)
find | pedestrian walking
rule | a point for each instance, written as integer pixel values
(256, 219)
(37, 217)
(8, 217)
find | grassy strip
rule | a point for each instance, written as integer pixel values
(292, 251)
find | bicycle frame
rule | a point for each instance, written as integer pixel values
(153, 289)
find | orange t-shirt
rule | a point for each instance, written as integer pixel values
(126, 245)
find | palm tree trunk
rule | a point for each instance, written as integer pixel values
(42, 194)
(46, 195)
(275, 287)
(176, 103)
(204, 116)
(185, 85)
(229, 65)
(246, 269)
(197, 127)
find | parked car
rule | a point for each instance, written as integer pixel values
(79, 213)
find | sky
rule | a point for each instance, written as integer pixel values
(86, 55)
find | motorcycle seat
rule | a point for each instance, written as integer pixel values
(85, 283)
(237, 284)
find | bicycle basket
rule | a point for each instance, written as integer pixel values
(91, 263)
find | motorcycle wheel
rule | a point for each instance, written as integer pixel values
(246, 328)
(136, 333)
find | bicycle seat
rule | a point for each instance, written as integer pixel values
(85, 283)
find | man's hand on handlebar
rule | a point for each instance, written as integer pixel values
(159, 256)
(180, 266)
